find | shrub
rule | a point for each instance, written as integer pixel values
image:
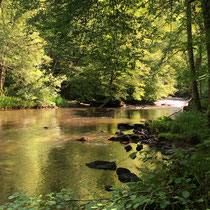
(160, 125)
(191, 127)
(60, 200)
(14, 103)
(60, 102)
(180, 182)
(170, 137)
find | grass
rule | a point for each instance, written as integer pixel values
(191, 127)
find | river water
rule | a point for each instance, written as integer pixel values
(41, 160)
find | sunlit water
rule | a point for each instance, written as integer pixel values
(43, 160)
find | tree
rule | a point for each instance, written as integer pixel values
(206, 17)
(22, 56)
(195, 93)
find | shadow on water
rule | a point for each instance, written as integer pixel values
(41, 160)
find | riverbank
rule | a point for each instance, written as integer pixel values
(10, 103)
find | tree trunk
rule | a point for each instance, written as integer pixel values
(206, 17)
(3, 73)
(195, 95)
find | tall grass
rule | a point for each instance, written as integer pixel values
(191, 127)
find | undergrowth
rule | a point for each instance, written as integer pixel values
(60, 101)
(12, 102)
(191, 127)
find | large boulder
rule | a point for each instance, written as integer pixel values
(125, 126)
(128, 177)
(119, 138)
(134, 138)
(128, 148)
(139, 126)
(106, 165)
(139, 147)
(124, 175)
(122, 171)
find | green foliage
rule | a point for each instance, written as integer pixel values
(204, 104)
(160, 125)
(170, 137)
(60, 101)
(180, 182)
(61, 200)
(22, 58)
(108, 54)
(192, 125)
(180, 129)
(14, 103)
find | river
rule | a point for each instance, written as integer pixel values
(41, 160)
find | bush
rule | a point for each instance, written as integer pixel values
(192, 127)
(60, 102)
(14, 103)
(180, 182)
(61, 200)
(160, 125)
(170, 137)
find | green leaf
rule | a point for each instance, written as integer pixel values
(185, 194)
(150, 176)
(133, 155)
(12, 197)
(163, 205)
(128, 206)
(51, 203)
(136, 205)
(133, 197)
(178, 180)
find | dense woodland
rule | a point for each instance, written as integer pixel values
(103, 52)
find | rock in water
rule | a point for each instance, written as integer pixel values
(139, 126)
(106, 165)
(139, 147)
(128, 177)
(108, 188)
(128, 148)
(83, 139)
(122, 170)
(125, 126)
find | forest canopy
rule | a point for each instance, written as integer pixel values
(103, 51)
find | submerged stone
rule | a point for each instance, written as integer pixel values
(128, 148)
(139, 126)
(139, 147)
(119, 138)
(122, 170)
(128, 177)
(108, 188)
(106, 165)
(83, 139)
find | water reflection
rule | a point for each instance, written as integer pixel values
(43, 160)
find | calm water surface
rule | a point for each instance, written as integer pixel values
(44, 160)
